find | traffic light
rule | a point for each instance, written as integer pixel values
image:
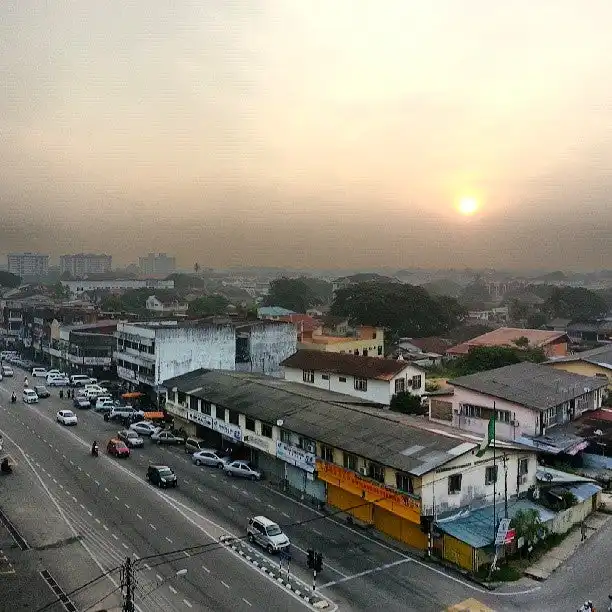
(311, 558)
(318, 562)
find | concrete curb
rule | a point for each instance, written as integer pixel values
(273, 572)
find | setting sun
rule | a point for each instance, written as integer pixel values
(468, 206)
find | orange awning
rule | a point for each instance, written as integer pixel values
(153, 416)
(132, 395)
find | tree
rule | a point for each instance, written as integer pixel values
(196, 267)
(8, 279)
(186, 281)
(322, 289)
(292, 294)
(405, 310)
(529, 526)
(576, 303)
(536, 319)
(475, 295)
(518, 310)
(407, 403)
(60, 292)
(208, 306)
(483, 358)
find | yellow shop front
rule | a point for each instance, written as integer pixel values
(389, 511)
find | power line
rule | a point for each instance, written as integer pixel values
(114, 590)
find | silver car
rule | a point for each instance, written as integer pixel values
(241, 469)
(210, 457)
(131, 438)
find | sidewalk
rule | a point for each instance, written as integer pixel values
(550, 561)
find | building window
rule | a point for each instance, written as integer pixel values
(503, 416)
(403, 482)
(417, 381)
(220, 412)
(471, 411)
(285, 436)
(193, 403)
(491, 474)
(181, 397)
(400, 385)
(380, 349)
(266, 430)
(307, 444)
(327, 453)
(234, 417)
(342, 379)
(356, 352)
(523, 466)
(454, 484)
(349, 461)
(325, 376)
(376, 472)
(361, 384)
(206, 408)
(249, 424)
(308, 376)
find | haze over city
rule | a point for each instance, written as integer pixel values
(285, 133)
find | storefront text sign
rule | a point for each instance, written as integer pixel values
(395, 502)
(295, 456)
(200, 418)
(226, 429)
(257, 441)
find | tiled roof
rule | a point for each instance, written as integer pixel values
(301, 321)
(432, 344)
(505, 336)
(601, 356)
(532, 385)
(340, 363)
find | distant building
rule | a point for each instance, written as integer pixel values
(82, 264)
(366, 341)
(159, 264)
(78, 287)
(163, 304)
(28, 264)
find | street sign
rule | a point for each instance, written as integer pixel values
(502, 530)
(510, 535)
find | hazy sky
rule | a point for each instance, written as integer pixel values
(309, 133)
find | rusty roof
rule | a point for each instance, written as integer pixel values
(506, 336)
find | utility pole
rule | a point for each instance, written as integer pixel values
(128, 584)
(505, 459)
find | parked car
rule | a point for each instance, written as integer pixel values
(80, 380)
(144, 428)
(130, 437)
(39, 373)
(29, 396)
(41, 391)
(261, 530)
(7, 371)
(162, 476)
(66, 417)
(163, 436)
(193, 445)
(210, 457)
(81, 402)
(117, 448)
(241, 469)
(57, 381)
(55, 373)
(122, 412)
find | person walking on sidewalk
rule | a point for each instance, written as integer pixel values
(583, 531)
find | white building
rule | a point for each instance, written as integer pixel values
(149, 353)
(28, 264)
(82, 264)
(77, 287)
(166, 305)
(370, 378)
(157, 264)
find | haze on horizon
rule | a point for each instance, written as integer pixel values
(309, 134)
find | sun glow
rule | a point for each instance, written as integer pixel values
(468, 206)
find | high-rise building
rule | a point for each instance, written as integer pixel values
(28, 264)
(157, 264)
(82, 264)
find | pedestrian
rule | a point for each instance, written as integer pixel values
(61, 394)
(583, 530)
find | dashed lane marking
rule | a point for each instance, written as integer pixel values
(152, 526)
(232, 508)
(317, 531)
(106, 490)
(186, 553)
(147, 566)
(98, 521)
(116, 498)
(82, 506)
(227, 586)
(187, 603)
(206, 569)
(365, 573)
(105, 527)
(138, 516)
(285, 514)
(115, 536)
(247, 602)
(215, 498)
(125, 546)
(169, 540)
(126, 506)
(159, 577)
(172, 589)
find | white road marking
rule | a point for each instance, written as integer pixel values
(126, 506)
(271, 506)
(317, 531)
(158, 577)
(201, 489)
(234, 486)
(61, 486)
(98, 521)
(213, 475)
(147, 566)
(55, 481)
(186, 553)
(366, 572)
(106, 490)
(90, 513)
(227, 586)
(97, 482)
(64, 456)
(135, 556)
(169, 540)
(82, 506)
(79, 468)
(172, 589)
(285, 514)
(152, 526)
(232, 509)
(116, 498)
(138, 515)
(105, 527)
(206, 569)
(187, 603)
(71, 462)
(215, 498)
(115, 536)
(74, 498)
(247, 602)
(185, 480)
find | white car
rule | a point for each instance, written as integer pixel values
(55, 373)
(7, 371)
(66, 417)
(39, 372)
(144, 428)
(30, 396)
(57, 381)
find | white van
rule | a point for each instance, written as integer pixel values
(80, 380)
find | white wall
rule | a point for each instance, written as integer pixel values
(434, 486)
(271, 343)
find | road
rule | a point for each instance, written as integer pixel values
(109, 501)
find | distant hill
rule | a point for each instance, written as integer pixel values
(444, 286)
(370, 277)
(552, 276)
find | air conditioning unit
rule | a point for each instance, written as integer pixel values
(514, 423)
(363, 471)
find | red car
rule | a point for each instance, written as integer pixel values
(117, 448)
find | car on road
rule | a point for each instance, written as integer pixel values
(57, 381)
(163, 436)
(29, 396)
(242, 469)
(55, 373)
(81, 402)
(80, 380)
(261, 530)
(7, 371)
(192, 445)
(66, 417)
(162, 476)
(41, 391)
(210, 457)
(144, 428)
(117, 448)
(39, 372)
(123, 412)
(131, 438)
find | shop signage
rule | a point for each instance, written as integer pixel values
(200, 418)
(502, 531)
(96, 360)
(260, 442)
(179, 410)
(295, 456)
(126, 373)
(226, 429)
(379, 495)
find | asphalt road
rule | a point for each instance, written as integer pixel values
(109, 501)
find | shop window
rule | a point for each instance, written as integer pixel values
(234, 417)
(454, 484)
(376, 472)
(361, 384)
(349, 461)
(266, 430)
(220, 412)
(308, 376)
(491, 474)
(249, 424)
(327, 453)
(193, 402)
(400, 385)
(206, 408)
(403, 482)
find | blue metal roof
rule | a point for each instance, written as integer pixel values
(476, 527)
(583, 491)
(273, 311)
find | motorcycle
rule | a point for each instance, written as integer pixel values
(5, 466)
(13, 398)
(95, 451)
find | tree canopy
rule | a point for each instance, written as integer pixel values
(475, 296)
(208, 305)
(132, 300)
(293, 294)
(8, 279)
(407, 403)
(576, 303)
(405, 310)
(483, 358)
(187, 281)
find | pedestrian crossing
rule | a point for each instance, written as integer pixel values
(469, 605)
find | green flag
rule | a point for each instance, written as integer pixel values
(489, 437)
